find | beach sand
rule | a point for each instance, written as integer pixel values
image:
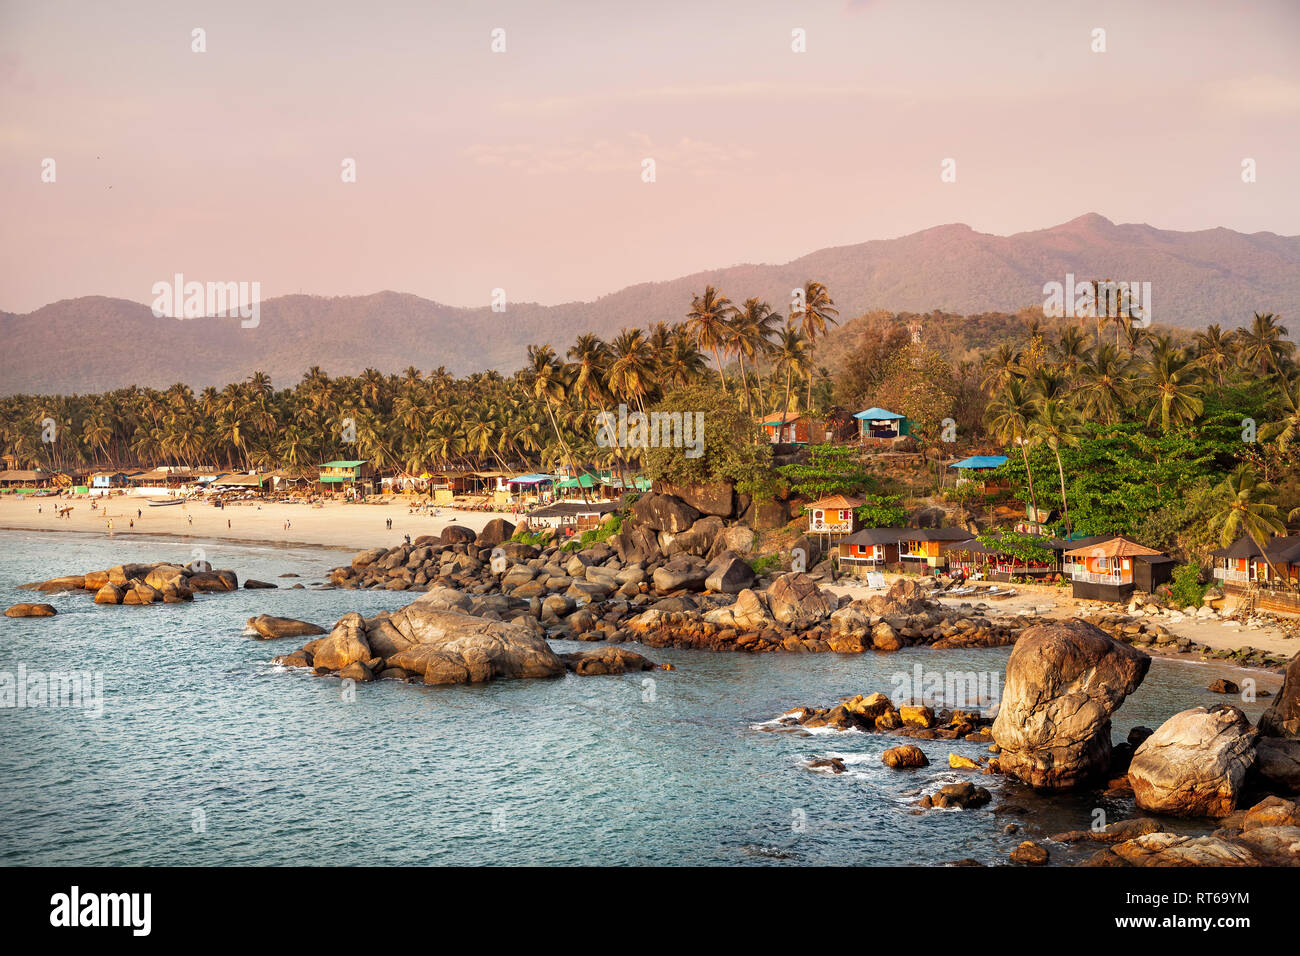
(355, 527)
(350, 526)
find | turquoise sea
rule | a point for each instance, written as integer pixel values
(207, 754)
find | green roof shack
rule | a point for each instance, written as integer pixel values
(342, 475)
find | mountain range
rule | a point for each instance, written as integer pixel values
(94, 343)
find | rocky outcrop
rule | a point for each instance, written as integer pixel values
(1195, 763)
(268, 628)
(1172, 849)
(795, 599)
(664, 513)
(31, 610)
(717, 498)
(495, 532)
(1282, 719)
(729, 574)
(143, 584)
(1063, 682)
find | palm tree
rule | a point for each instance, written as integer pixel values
(708, 320)
(1287, 429)
(1240, 510)
(550, 386)
(1172, 381)
(752, 325)
(1263, 343)
(1105, 389)
(790, 354)
(818, 309)
(1055, 425)
(1004, 364)
(1214, 350)
(1008, 417)
(682, 363)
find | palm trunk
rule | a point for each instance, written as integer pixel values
(1065, 506)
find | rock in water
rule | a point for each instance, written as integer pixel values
(31, 610)
(904, 757)
(607, 660)
(1194, 765)
(450, 647)
(269, 628)
(1064, 680)
(1282, 719)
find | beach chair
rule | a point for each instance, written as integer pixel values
(875, 581)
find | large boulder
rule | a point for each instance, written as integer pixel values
(344, 645)
(1174, 849)
(676, 577)
(664, 513)
(214, 581)
(109, 594)
(851, 628)
(737, 539)
(495, 532)
(1282, 719)
(730, 574)
(269, 628)
(123, 573)
(457, 534)
(636, 545)
(715, 498)
(1195, 763)
(749, 613)
(697, 539)
(795, 599)
(31, 610)
(1277, 760)
(1064, 680)
(363, 559)
(451, 647)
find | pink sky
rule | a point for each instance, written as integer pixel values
(522, 170)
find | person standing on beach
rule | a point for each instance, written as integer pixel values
(227, 522)
(190, 519)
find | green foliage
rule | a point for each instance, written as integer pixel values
(538, 539)
(882, 511)
(732, 443)
(1023, 547)
(1185, 588)
(765, 563)
(604, 532)
(830, 470)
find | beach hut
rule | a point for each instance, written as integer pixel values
(925, 550)
(833, 516)
(1112, 569)
(535, 487)
(1242, 566)
(578, 515)
(871, 549)
(583, 485)
(248, 484)
(24, 479)
(880, 424)
(977, 468)
(346, 475)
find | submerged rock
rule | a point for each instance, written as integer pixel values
(270, 628)
(31, 610)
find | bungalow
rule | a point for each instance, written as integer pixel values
(1242, 563)
(976, 469)
(926, 549)
(833, 515)
(346, 475)
(535, 487)
(1111, 569)
(578, 515)
(237, 482)
(879, 424)
(870, 549)
(102, 481)
(793, 428)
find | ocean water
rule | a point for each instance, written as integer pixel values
(207, 754)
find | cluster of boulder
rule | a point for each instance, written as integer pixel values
(1143, 630)
(876, 713)
(671, 577)
(139, 584)
(438, 640)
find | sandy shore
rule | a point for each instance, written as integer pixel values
(1058, 603)
(354, 527)
(335, 524)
